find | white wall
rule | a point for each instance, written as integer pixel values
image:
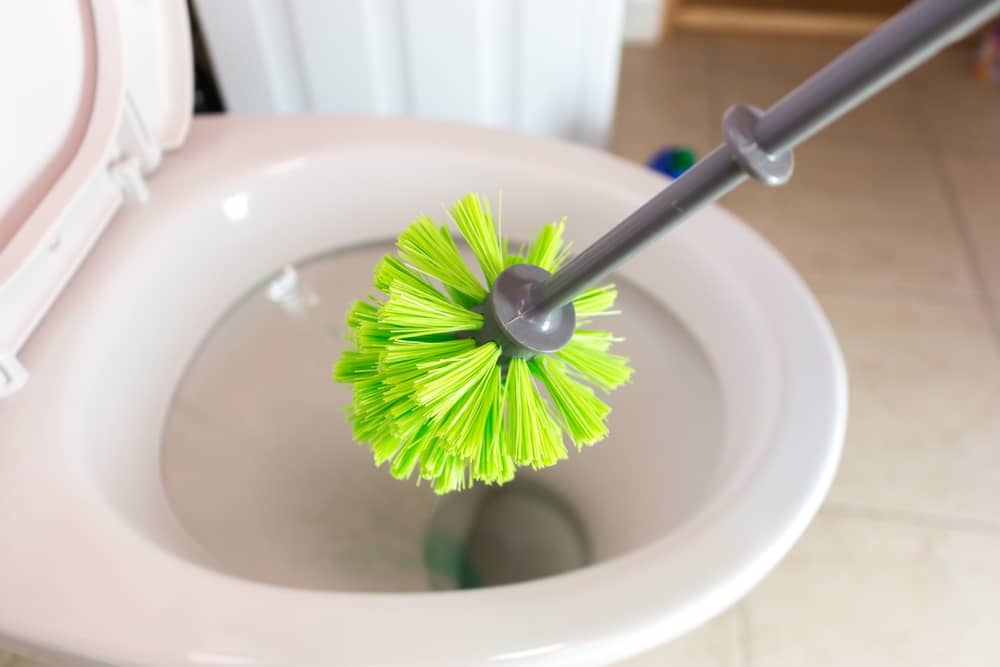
(539, 66)
(643, 19)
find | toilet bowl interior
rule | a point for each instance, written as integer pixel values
(234, 452)
(259, 466)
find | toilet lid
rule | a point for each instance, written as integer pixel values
(94, 92)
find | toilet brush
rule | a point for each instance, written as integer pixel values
(448, 382)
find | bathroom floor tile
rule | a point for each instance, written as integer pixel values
(681, 58)
(976, 185)
(860, 222)
(718, 643)
(26, 662)
(924, 415)
(662, 100)
(960, 114)
(868, 593)
(750, 55)
(642, 128)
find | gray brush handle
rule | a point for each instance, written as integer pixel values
(758, 143)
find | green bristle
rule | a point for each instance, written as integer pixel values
(369, 411)
(364, 430)
(470, 420)
(448, 381)
(454, 476)
(368, 395)
(474, 220)
(428, 398)
(408, 456)
(589, 357)
(390, 271)
(361, 313)
(384, 447)
(405, 461)
(406, 355)
(397, 386)
(434, 459)
(548, 250)
(400, 368)
(401, 363)
(373, 337)
(594, 339)
(582, 412)
(532, 434)
(374, 417)
(491, 464)
(366, 332)
(412, 312)
(353, 366)
(432, 250)
(448, 472)
(596, 301)
(510, 258)
(514, 258)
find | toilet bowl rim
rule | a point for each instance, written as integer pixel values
(636, 618)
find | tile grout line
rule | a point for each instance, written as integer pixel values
(746, 640)
(714, 96)
(986, 300)
(938, 156)
(903, 517)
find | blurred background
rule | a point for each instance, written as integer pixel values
(892, 217)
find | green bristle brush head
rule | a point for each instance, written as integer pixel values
(431, 400)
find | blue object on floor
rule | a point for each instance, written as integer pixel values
(672, 160)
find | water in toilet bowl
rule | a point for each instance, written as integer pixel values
(492, 536)
(259, 467)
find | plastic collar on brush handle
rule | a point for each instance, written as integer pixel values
(758, 143)
(521, 334)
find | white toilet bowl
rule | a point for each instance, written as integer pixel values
(178, 487)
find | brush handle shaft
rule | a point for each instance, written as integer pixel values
(713, 176)
(758, 143)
